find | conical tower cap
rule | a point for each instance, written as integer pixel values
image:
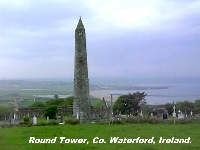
(80, 24)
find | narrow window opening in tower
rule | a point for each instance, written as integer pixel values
(81, 33)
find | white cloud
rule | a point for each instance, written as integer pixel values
(13, 4)
(38, 36)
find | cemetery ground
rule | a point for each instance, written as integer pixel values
(18, 137)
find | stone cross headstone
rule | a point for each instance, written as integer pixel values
(34, 120)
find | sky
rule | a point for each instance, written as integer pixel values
(125, 38)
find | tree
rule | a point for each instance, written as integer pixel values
(51, 111)
(51, 105)
(197, 105)
(169, 108)
(55, 96)
(130, 103)
(60, 101)
(186, 106)
(26, 119)
(37, 104)
(4, 111)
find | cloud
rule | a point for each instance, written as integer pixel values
(124, 38)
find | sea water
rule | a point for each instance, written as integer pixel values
(178, 88)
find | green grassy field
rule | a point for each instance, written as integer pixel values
(18, 137)
(27, 90)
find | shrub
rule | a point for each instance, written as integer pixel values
(26, 119)
(51, 112)
(52, 123)
(72, 121)
(143, 120)
(131, 120)
(36, 104)
(25, 124)
(45, 124)
(154, 121)
(103, 123)
(185, 121)
(117, 122)
(41, 124)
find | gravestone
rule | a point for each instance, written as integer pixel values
(165, 116)
(47, 119)
(117, 117)
(181, 116)
(141, 115)
(197, 115)
(174, 113)
(61, 119)
(77, 115)
(191, 113)
(34, 120)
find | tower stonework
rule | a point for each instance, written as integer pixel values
(81, 104)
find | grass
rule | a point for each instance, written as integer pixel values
(95, 102)
(12, 89)
(18, 137)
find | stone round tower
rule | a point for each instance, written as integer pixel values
(81, 104)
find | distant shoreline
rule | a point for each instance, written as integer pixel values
(103, 93)
(107, 96)
(157, 98)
